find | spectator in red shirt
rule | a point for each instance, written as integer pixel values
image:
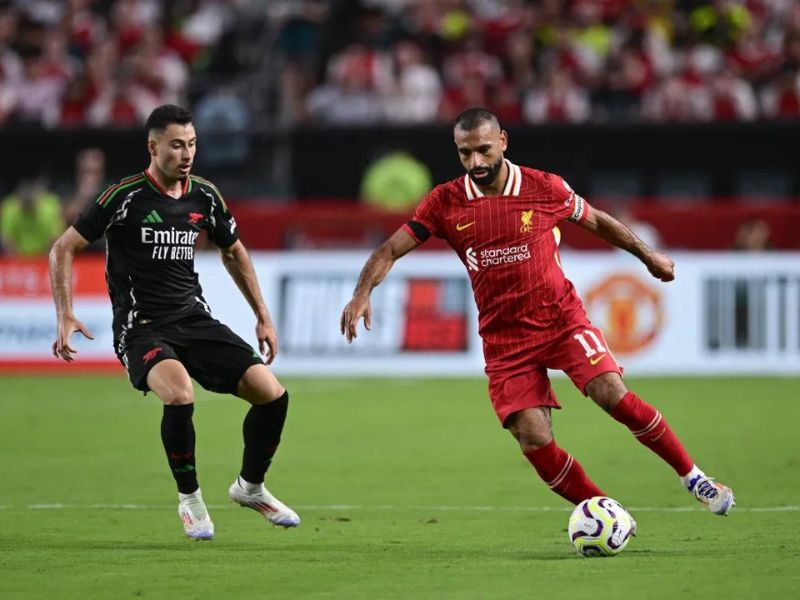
(781, 98)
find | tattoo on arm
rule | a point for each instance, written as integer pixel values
(60, 266)
(381, 261)
(620, 235)
(374, 271)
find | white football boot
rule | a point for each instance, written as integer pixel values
(193, 513)
(717, 497)
(257, 497)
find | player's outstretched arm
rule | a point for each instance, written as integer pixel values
(618, 234)
(60, 262)
(374, 271)
(240, 267)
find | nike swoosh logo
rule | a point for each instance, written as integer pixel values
(460, 227)
(594, 361)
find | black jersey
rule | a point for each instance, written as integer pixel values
(150, 245)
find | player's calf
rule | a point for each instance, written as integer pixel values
(562, 473)
(651, 429)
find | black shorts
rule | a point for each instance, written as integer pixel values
(213, 355)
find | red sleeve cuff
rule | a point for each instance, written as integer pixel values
(410, 232)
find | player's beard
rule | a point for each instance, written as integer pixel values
(491, 175)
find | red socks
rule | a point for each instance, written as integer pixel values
(652, 430)
(562, 473)
(565, 476)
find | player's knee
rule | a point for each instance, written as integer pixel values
(532, 438)
(259, 386)
(531, 428)
(606, 390)
(264, 396)
(606, 401)
(533, 441)
(178, 395)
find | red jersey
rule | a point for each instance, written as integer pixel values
(509, 245)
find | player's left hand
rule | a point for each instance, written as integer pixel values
(358, 307)
(660, 266)
(267, 339)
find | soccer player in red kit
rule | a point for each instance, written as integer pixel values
(502, 220)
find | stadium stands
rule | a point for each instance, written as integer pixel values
(85, 62)
(643, 106)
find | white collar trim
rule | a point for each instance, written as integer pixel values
(512, 188)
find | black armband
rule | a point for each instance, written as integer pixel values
(420, 231)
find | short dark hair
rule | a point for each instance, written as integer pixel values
(167, 114)
(472, 118)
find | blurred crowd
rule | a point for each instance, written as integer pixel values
(72, 63)
(240, 63)
(76, 63)
(413, 61)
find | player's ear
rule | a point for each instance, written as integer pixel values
(152, 146)
(503, 140)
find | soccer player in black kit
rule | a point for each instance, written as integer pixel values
(164, 333)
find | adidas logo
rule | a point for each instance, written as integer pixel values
(153, 217)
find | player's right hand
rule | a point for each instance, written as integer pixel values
(66, 327)
(357, 307)
(660, 266)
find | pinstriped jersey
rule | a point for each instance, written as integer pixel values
(509, 246)
(150, 245)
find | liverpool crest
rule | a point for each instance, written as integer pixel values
(526, 217)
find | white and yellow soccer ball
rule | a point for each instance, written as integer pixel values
(600, 526)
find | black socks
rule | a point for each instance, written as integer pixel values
(177, 434)
(262, 429)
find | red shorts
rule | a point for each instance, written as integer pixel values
(582, 353)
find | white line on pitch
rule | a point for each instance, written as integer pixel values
(393, 507)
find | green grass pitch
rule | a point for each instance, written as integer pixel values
(406, 488)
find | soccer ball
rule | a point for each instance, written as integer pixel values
(600, 526)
